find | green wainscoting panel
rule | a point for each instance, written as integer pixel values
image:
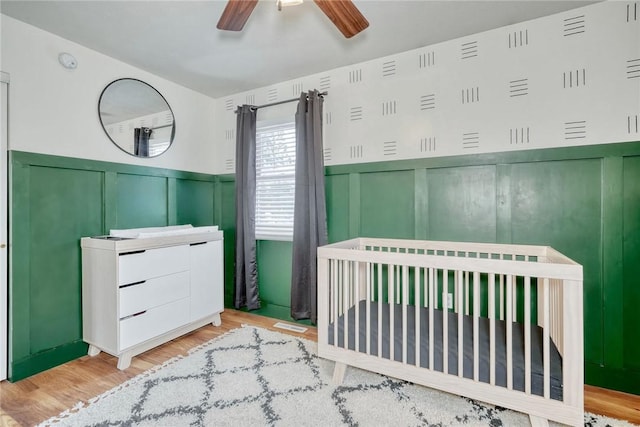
(228, 224)
(54, 202)
(559, 204)
(583, 201)
(354, 208)
(274, 272)
(631, 260)
(19, 345)
(462, 204)
(421, 204)
(612, 261)
(64, 204)
(142, 201)
(337, 197)
(623, 379)
(195, 202)
(387, 204)
(47, 359)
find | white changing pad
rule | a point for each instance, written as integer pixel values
(170, 230)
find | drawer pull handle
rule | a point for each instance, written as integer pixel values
(196, 244)
(132, 252)
(133, 315)
(133, 284)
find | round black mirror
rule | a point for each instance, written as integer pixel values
(136, 117)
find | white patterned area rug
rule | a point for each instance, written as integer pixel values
(254, 377)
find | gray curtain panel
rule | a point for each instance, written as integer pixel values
(246, 277)
(310, 217)
(141, 138)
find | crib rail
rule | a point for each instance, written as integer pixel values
(435, 298)
(461, 249)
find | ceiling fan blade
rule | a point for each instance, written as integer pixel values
(345, 15)
(236, 14)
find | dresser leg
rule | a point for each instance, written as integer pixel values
(217, 321)
(93, 350)
(124, 361)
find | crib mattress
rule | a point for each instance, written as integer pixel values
(537, 369)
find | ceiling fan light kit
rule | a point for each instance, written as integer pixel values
(343, 13)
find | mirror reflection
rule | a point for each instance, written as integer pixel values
(136, 117)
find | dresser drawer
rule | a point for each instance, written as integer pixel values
(153, 293)
(142, 265)
(153, 322)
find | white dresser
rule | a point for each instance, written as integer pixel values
(139, 293)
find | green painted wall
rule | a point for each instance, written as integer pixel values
(629, 293)
(584, 201)
(274, 278)
(227, 222)
(54, 202)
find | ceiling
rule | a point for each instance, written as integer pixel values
(178, 40)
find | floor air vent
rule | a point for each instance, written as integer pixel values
(290, 327)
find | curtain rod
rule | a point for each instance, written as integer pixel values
(256, 107)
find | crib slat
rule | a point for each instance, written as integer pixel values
(368, 309)
(466, 292)
(435, 295)
(571, 310)
(545, 337)
(459, 304)
(445, 325)
(405, 303)
(476, 330)
(417, 305)
(553, 302)
(380, 301)
(492, 329)
(398, 284)
(345, 301)
(391, 298)
(356, 289)
(456, 305)
(527, 335)
(425, 289)
(509, 325)
(556, 313)
(334, 298)
(514, 302)
(502, 297)
(431, 304)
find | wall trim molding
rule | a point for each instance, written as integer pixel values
(621, 149)
(49, 160)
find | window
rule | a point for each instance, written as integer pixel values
(275, 180)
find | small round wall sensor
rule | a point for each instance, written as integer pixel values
(68, 61)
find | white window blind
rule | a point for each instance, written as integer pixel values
(275, 180)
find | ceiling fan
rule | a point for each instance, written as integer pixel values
(343, 13)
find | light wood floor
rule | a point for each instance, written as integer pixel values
(37, 398)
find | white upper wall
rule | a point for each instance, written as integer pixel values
(563, 80)
(55, 111)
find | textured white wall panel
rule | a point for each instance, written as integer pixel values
(563, 80)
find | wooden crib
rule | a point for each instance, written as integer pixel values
(403, 308)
